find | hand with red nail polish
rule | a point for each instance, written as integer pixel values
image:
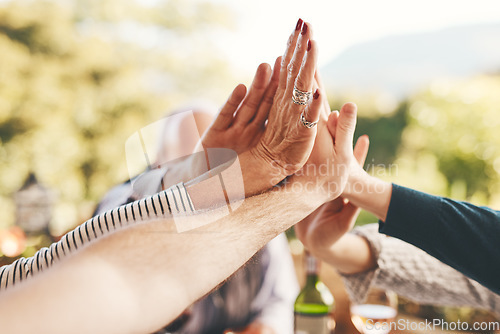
(288, 141)
(298, 26)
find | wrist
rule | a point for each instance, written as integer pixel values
(259, 174)
(369, 193)
(358, 182)
(233, 181)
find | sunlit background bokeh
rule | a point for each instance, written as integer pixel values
(78, 77)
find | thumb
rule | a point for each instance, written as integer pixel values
(361, 149)
(334, 228)
(346, 125)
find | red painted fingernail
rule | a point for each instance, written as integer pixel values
(299, 25)
(316, 94)
(308, 45)
(304, 28)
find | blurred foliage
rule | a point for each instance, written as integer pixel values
(456, 122)
(77, 78)
(443, 139)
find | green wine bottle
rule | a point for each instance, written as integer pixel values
(314, 305)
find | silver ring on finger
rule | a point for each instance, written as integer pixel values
(301, 97)
(305, 122)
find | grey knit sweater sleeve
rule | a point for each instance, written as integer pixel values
(414, 274)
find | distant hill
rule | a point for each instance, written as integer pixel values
(403, 63)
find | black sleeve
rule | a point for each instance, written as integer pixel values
(462, 235)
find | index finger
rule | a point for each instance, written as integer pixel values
(250, 104)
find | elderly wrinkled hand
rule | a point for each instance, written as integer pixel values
(291, 129)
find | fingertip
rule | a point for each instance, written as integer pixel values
(262, 75)
(298, 26)
(366, 141)
(346, 127)
(316, 94)
(307, 29)
(349, 108)
(361, 149)
(276, 68)
(347, 118)
(366, 138)
(332, 118)
(278, 60)
(264, 67)
(313, 111)
(312, 53)
(312, 46)
(239, 92)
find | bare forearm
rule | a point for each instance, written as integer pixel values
(149, 271)
(370, 194)
(352, 254)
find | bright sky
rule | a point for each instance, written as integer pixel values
(264, 25)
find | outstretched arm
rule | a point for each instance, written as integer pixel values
(134, 279)
(460, 234)
(414, 274)
(263, 124)
(137, 278)
(323, 232)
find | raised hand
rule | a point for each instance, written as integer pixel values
(331, 163)
(321, 229)
(286, 143)
(241, 121)
(270, 152)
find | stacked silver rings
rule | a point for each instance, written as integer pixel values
(300, 97)
(306, 123)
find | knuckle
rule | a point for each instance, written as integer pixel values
(289, 42)
(268, 99)
(346, 127)
(252, 104)
(299, 47)
(283, 63)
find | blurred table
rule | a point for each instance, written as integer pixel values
(348, 328)
(342, 303)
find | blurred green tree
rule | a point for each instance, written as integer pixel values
(443, 140)
(456, 122)
(78, 77)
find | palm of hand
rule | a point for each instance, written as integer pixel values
(237, 137)
(324, 170)
(333, 161)
(241, 121)
(322, 228)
